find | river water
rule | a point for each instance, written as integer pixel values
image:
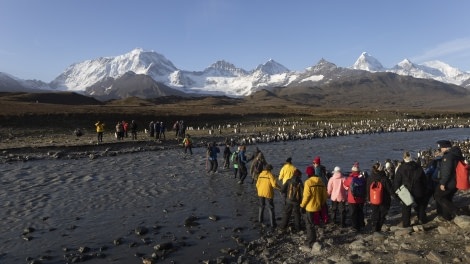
(366, 149)
(77, 203)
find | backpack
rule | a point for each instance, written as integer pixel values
(375, 193)
(294, 192)
(434, 170)
(235, 157)
(258, 166)
(433, 174)
(462, 174)
(358, 189)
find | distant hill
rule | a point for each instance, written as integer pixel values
(379, 90)
(383, 90)
(63, 98)
(130, 85)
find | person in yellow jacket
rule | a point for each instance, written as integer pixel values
(99, 130)
(314, 197)
(265, 185)
(287, 171)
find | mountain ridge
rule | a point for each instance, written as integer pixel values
(99, 77)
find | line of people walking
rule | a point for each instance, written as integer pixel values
(349, 194)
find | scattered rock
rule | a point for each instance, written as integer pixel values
(163, 246)
(213, 218)
(191, 221)
(140, 231)
(117, 241)
(28, 230)
(434, 257)
(463, 221)
(148, 261)
(84, 249)
(405, 255)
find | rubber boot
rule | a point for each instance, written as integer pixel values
(343, 220)
(260, 215)
(272, 219)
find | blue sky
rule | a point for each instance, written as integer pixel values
(39, 39)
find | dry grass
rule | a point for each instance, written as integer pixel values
(27, 122)
(27, 110)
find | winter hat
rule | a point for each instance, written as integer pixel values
(297, 173)
(310, 171)
(316, 160)
(337, 169)
(444, 144)
(355, 167)
(289, 159)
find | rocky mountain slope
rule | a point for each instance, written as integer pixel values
(92, 77)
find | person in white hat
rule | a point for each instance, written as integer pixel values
(337, 194)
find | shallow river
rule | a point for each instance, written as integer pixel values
(78, 203)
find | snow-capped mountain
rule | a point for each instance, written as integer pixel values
(435, 70)
(367, 63)
(271, 67)
(79, 76)
(222, 77)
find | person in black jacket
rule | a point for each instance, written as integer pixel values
(411, 174)
(227, 155)
(446, 187)
(379, 212)
(292, 192)
(134, 130)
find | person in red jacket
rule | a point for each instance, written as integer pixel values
(125, 126)
(356, 203)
